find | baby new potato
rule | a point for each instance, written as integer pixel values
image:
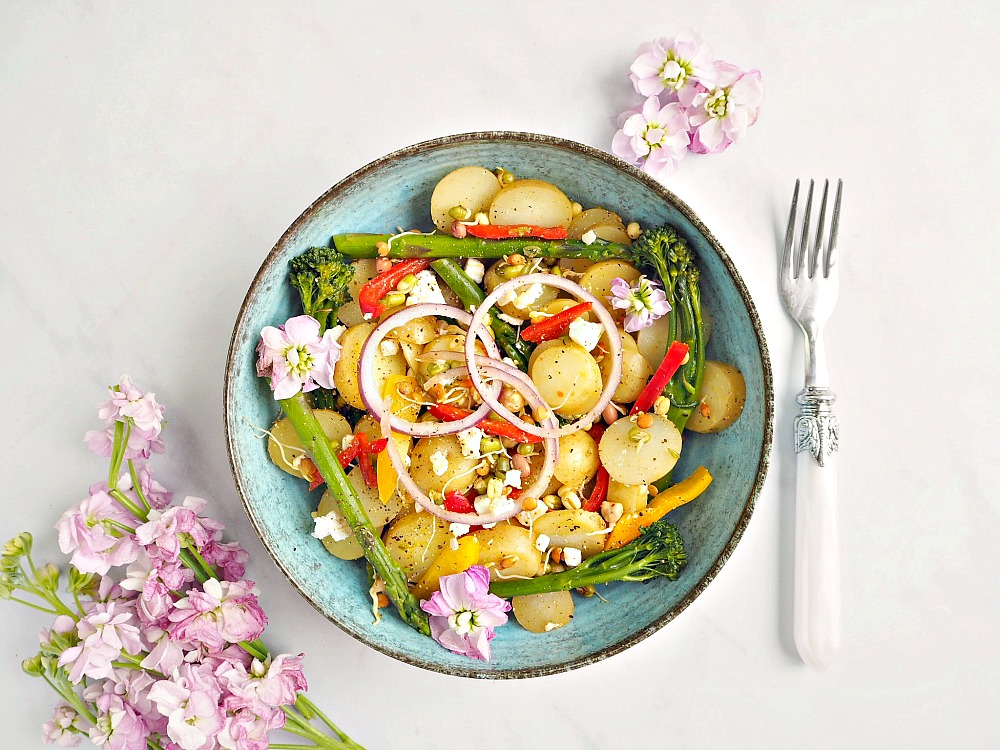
(470, 187)
(568, 378)
(572, 528)
(415, 540)
(578, 459)
(633, 497)
(494, 277)
(364, 271)
(597, 280)
(633, 455)
(345, 549)
(540, 613)
(510, 546)
(285, 448)
(635, 371)
(459, 475)
(531, 202)
(723, 394)
(345, 374)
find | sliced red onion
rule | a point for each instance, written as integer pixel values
(477, 330)
(371, 396)
(531, 394)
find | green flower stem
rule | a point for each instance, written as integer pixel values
(318, 447)
(131, 507)
(70, 696)
(40, 608)
(32, 587)
(122, 430)
(136, 487)
(256, 649)
(326, 720)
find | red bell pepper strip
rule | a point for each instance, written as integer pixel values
(371, 294)
(364, 460)
(456, 502)
(515, 231)
(489, 426)
(654, 388)
(556, 326)
(600, 492)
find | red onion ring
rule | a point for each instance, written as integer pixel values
(477, 331)
(528, 390)
(373, 399)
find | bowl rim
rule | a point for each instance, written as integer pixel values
(473, 671)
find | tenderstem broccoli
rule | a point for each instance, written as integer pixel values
(320, 275)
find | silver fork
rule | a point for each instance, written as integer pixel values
(808, 279)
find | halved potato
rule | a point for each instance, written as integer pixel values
(597, 280)
(531, 202)
(285, 448)
(364, 271)
(540, 613)
(723, 394)
(632, 461)
(588, 220)
(471, 187)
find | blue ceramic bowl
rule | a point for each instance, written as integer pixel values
(395, 191)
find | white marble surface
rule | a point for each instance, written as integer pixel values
(151, 153)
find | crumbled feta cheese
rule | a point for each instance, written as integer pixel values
(552, 626)
(513, 478)
(336, 332)
(345, 443)
(531, 293)
(588, 237)
(509, 361)
(475, 269)
(572, 557)
(332, 525)
(611, 512)
(439, 463)
(496, 506)
(489, 526)
(528, 517)
(542, 542)
(481, 504)
(426, 290)
(585, 333)
(509, 296)
(457, 529)
(510, 319)
(388, 347)
(471, 440)
(453, 544)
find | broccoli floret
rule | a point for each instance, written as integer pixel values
(320, 275)
(657, 553)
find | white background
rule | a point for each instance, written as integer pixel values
(152, 153)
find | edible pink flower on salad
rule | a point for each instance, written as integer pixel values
(720, 116)
(296, 357)
(643, 303)
(464, 614)
(671, 64)
(654, 137)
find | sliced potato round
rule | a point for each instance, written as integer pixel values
(723, 394)
(508, 551)
(635, 371)
(633, 497)
(540, 613)
(471, 187)
(588, 220)
(572, 528)
(557, 306)
(459, 474)
(612, 232)
(632, 461)
(345, 374)
(597, 280)
(568, 378)
(414, 540)
(495, 278)
(654, 339)
(364, 271)
(285, 448)
(578, 459)
(531, 202)
(345, 549)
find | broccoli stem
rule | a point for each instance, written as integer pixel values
(446, 246)
(471, 295)
(605, 567)
(318, 447)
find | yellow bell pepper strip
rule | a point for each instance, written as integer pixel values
(631, 525)
(388, 479)
(448, 562)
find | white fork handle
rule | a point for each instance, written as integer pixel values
(817, 560)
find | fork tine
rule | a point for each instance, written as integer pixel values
(786, 254)
(800, 252)
(817, 249)
(831, 252)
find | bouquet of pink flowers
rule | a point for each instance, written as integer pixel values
(157, 645)
(694, 103)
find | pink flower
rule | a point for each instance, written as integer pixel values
(89, 532)
(153, 581)
(166, 654)
(139, 445)
(104, 632)
(296, 358)
(671, 64)
(655, 138)
(190, 701)
(270, 684)
(59, 729)
(224, 612)
(162, 534)
(244, 730)
(464, 614)
(644, 302)
(155, 493)
(129, 404)
(118, 725)
(228, 558)
(721, 115)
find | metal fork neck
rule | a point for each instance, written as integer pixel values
(817, 374)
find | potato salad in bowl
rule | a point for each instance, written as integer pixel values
(489, 412)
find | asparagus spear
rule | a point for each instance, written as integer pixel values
(318, 447)
(446, 246)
